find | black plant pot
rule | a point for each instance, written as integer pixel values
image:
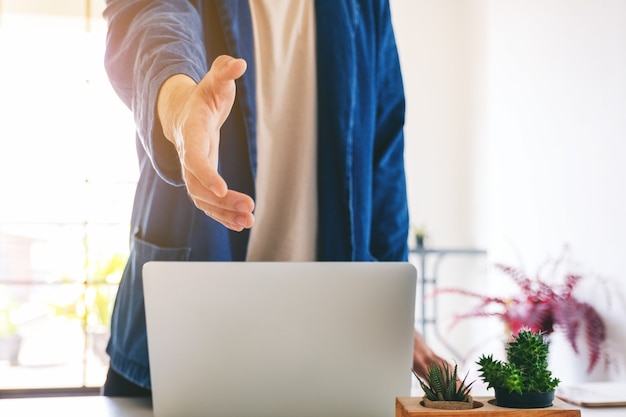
(504, 398)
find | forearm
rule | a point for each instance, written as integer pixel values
(149, 41)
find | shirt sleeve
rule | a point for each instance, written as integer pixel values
(390, 211)
(147, 42)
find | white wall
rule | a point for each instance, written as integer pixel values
(436, 43)
(516, 135)
(557, 107)
(556, 104)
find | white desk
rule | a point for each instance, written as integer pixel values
(135, 407)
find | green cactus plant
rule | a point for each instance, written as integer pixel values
(526, 369)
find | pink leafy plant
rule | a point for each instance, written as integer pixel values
(542, 307)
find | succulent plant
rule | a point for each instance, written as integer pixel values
(441, 384)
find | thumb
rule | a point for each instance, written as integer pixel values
(224, 70)
(217, 88)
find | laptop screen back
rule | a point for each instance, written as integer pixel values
(279, 339)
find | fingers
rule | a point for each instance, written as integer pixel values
(423, 355)
(233, 209)
(420, 367)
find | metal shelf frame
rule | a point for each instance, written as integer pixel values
(425, 279)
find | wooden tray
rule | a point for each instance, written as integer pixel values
(483, 406)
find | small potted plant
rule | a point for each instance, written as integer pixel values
(524, 380)
(419, 233)
(442, 390)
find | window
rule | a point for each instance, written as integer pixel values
(67, 177)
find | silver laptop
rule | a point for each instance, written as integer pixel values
(274, 339)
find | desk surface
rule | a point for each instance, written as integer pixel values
(76, 407)
(137, 407)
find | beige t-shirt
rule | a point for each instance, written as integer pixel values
(286, 185)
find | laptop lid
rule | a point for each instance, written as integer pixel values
(249, 339)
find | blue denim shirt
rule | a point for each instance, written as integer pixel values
(363, 213)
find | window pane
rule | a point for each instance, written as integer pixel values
(67, 177)
(56, 296)
(45, 349)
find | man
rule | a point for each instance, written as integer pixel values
(291, 151)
